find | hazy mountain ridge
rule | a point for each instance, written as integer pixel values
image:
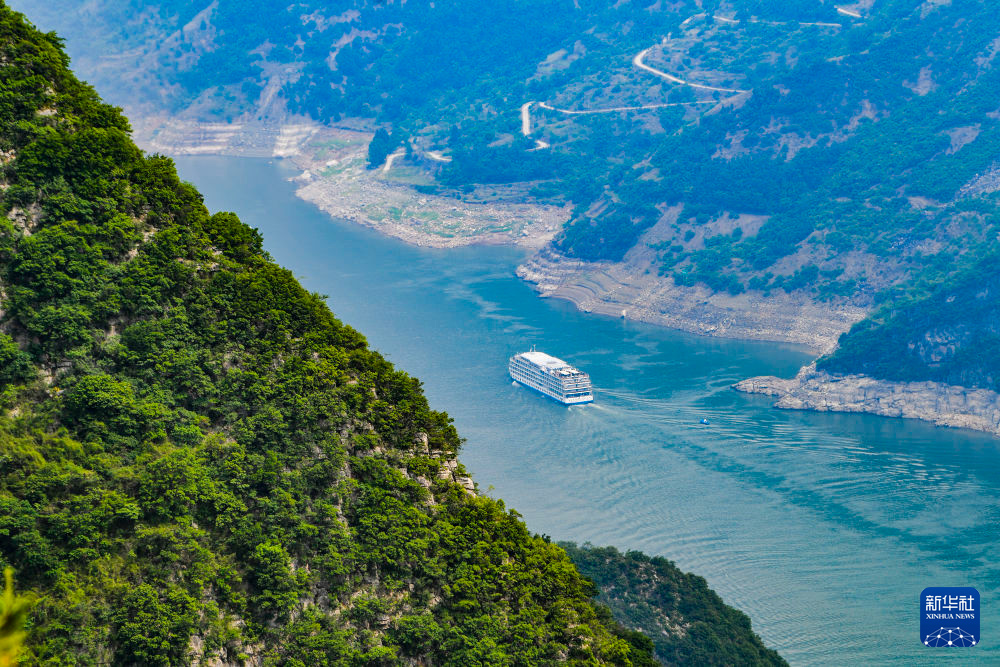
(832, 141)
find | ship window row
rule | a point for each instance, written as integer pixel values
(534, 372)
(542, 380)
(543, 387)
(575, 381)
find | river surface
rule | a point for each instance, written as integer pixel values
(823, 528)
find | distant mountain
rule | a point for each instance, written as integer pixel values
(858, 142)
(950, 336)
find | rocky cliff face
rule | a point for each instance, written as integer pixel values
(942, 404)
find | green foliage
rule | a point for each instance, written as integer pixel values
(153, 626)
(96, 399)
(233, 238)
(381, 146)
(15, 365)
(271, 573)
(417, 635)
(688, 623)
(946, 332)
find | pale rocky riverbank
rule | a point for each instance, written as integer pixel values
(941, 404)
(636, 292)
(336, 179)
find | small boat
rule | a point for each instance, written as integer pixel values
(704, 421)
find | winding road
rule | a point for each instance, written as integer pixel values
(639, 62)
(723, 19)
(437, 156)
(526, 118)
(572, 112)
(392, 158)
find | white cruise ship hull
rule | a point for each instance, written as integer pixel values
(564, 401)
(551, 377)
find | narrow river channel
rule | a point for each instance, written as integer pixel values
(824, 528)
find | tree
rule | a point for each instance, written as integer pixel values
(381, 146)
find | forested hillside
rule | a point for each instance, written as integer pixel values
(689, 623)
(951, 336)
(199, 463)
(854, 138)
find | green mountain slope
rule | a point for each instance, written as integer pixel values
(199, 463)
(199, 459)
(951, 336)
(689, 624)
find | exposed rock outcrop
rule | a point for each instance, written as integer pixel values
(942, 404)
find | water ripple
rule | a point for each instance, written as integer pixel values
(823, 527)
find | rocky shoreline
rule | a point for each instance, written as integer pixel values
(636, 292)
(335, 177)
(941, 404)
(350, 191)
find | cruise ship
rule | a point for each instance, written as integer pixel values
(552, 377)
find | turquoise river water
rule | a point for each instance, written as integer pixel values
(823, 528)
